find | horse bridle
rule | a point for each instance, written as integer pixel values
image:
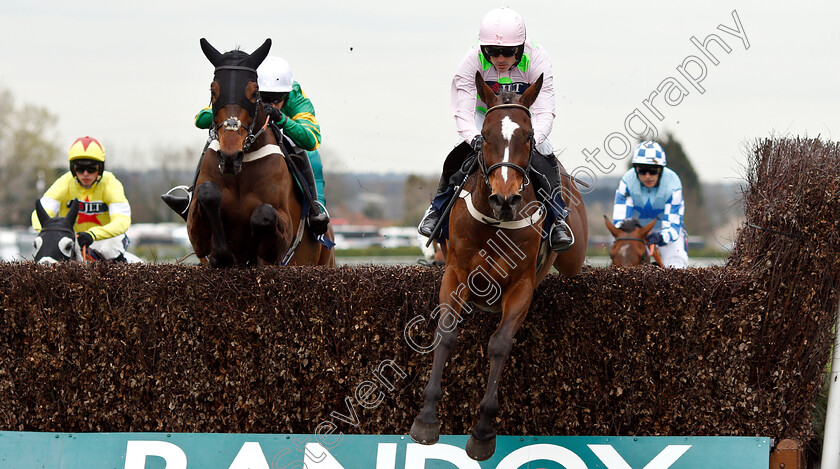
(72, 235)
(233, 123)
(485, 170)
(643, 241)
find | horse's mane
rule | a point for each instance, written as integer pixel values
(507, 97)
(630, 224)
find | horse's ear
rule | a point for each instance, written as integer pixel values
(260, 54)
(43, 216)
(530, 95)
(646, 229)
(214, 56)
(484, 92)
(615, 231)
(70, 218)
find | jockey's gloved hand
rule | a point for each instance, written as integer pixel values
(476, 144)
(274, 114)
(654, 238)
(84, 239)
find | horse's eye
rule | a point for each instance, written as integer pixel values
(66, 246)
(37, 244)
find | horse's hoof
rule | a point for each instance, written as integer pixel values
(425, 433)
(481, 450)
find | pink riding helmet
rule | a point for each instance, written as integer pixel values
(501, 27)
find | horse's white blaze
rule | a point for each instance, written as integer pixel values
(623, 251)
(508, 128)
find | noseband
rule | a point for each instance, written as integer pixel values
(485, 170)
(233, 123)
(647, 245)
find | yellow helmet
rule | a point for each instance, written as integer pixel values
(87, 148)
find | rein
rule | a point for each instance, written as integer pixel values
(485, 170)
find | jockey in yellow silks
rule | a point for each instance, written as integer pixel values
(104, 211)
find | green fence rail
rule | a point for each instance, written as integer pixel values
(20, 450)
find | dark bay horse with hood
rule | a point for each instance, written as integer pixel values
(245, 211)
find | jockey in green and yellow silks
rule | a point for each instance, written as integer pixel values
(286, 105)
(298, 122)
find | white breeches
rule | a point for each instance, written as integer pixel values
(675, 253)
(111, 248)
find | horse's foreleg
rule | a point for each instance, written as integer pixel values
(210, 197)
(515, 303)
(426, 426)
(266, 241)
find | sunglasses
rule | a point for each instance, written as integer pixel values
(274, 98)
(85, 168)
(495, 51)
(651, 170)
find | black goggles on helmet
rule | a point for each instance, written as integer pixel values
(504, 51)
(82, 166)
(650, 169)
(273, 98)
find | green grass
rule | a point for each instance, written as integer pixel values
(696, 253)
(375, 251)
(171, 253)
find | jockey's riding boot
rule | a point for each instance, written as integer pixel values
(548, 187)
(453, 168)
(560, 240)
(181, 204)
(318, 217)
(431, 217)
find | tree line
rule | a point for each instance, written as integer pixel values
(32, 158)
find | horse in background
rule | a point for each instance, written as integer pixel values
(630, 247)
(434, 254)
(496, 255)
(245, 210)
(56, 242)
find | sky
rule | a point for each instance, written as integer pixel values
(379, 74)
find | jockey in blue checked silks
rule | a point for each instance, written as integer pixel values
(650, 191)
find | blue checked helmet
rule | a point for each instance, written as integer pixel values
(649, 153)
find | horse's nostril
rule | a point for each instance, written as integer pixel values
(231, 157)
(500, 201)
